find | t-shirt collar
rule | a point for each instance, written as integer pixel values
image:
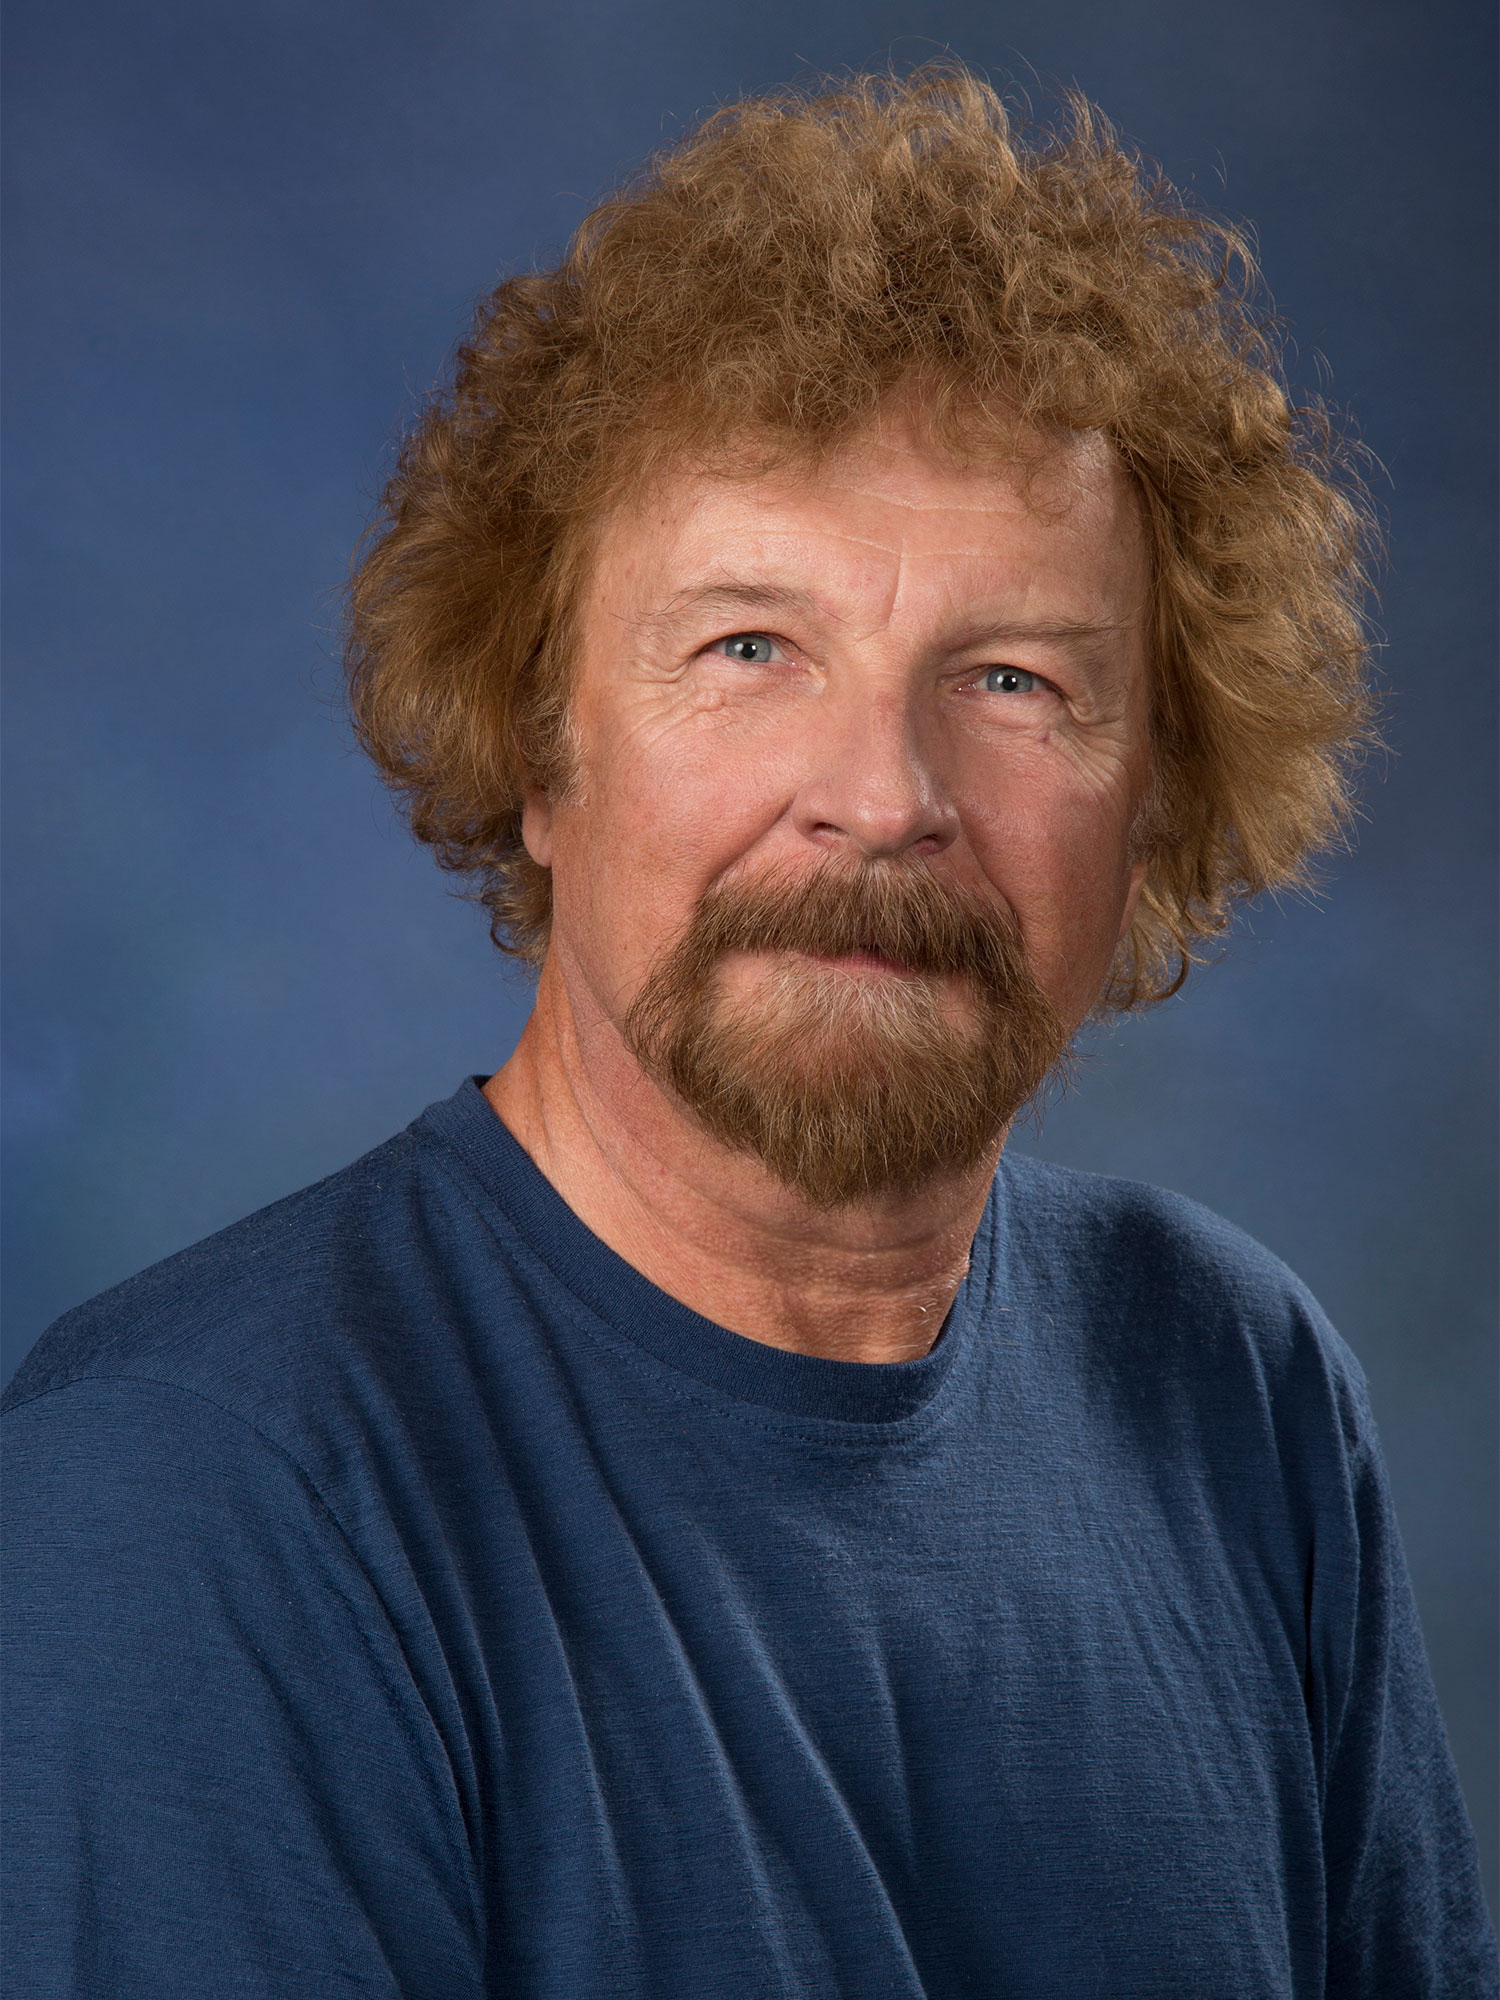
(732, 1363)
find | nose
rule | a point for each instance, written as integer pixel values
(870, 788)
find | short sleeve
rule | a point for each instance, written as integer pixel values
(220, 1775)
(1406, 1913)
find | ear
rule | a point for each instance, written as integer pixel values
(536, 825)
(1133, 893)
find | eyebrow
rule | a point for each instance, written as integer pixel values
(1001, 630)
(734, 594)
(737, 596)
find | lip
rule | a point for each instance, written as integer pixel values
(868, 964)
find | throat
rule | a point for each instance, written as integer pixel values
(868, 1280)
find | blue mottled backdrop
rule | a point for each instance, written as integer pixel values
(241, 239)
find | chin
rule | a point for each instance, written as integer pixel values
(854, 1089)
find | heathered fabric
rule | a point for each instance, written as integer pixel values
(408, 1598)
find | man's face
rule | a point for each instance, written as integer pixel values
(899, 684)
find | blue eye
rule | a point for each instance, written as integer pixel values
(751, 649)
(1010, 680)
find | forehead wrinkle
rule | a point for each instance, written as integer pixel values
(1050, 480)
(730, 587)
(999, 502)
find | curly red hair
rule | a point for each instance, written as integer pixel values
(777, 275)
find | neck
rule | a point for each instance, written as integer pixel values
(870, 1282)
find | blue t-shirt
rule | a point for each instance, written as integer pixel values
(408, 1598)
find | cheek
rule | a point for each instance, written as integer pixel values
(1054, 839)
(652, 824)
(688, 788)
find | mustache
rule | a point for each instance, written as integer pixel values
(899, 910)
(841, 1089)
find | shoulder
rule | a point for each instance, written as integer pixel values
(1100, 1217)
(240, 1318)
(1169, 1288)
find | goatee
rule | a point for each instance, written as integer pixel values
(849, 1083)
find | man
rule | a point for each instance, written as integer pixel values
(690, 1516)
